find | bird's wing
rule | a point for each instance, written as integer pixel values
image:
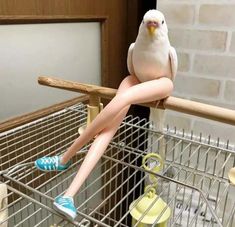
(173, 62)
(129, 59)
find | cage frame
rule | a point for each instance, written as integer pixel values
(95, 92)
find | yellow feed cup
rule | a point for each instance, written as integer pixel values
(154, 207)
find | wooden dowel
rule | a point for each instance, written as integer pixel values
(177, 104)
(94, 100)
(102, 92)
(200, 110)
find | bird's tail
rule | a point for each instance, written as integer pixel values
(157, 117)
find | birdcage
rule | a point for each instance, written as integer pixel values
(192, 182)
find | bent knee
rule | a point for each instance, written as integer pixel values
(122, 99)
(168, 85)
(131, 80)
(127, 82)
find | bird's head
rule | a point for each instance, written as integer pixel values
(154, 24)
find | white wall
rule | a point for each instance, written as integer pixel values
(203, 33)
(66, 50)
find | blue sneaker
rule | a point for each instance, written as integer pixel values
(65, 206)
(51, 164)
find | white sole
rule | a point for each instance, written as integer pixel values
(62, 210)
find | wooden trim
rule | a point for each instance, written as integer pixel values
(18, 19)
(104, 51)
(17, 121)
(177, 104)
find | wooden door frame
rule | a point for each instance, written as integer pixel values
(136, 10)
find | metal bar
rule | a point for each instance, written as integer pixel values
(185, 153)
(45, 136)
(113, 220)
(171, 180)
(35, 201)
(36, 154)
(185, 139)
(42, 124)
(17, 121)
(104, 186)
(231, 217)
(46, 207)
(197, 184)
(26, 164)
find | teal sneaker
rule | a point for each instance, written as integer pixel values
(65, 206)
(51, 164)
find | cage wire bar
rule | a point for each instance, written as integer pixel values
(193, 181)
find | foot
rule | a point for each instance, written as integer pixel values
(51, 164)
(65, 206)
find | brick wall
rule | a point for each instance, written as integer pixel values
(203, 33)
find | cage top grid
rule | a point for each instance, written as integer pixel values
(183, 153)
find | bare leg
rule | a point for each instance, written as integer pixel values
(102, 141)
(91, 131)
(100, 144)
(139, 93)
(94, 154)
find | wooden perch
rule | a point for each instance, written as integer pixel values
(172, 103)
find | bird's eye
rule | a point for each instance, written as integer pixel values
(163, 22)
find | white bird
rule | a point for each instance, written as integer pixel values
(152, 56)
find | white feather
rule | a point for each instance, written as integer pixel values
(174, 62)
(129, 59)
(157, 118)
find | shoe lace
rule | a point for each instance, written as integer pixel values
(65, 201)
(50, 160)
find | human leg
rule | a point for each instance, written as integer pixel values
(56, 163)
(65, 203)
(101, 142)
(156, 89)
(97, 125)
(139, 93)
(94, 154)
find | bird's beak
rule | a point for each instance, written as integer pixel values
(152, 26)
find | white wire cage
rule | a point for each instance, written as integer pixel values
(193, 182)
